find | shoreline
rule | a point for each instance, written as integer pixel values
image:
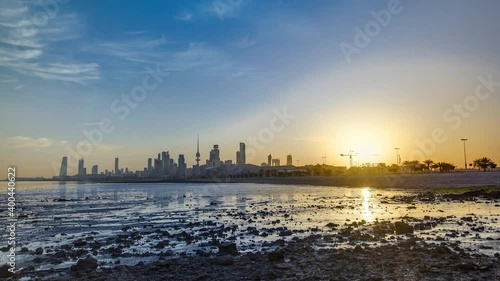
(383, 181)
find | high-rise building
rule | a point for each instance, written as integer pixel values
(196, 168)
(63, 172)
(150, 165)
(242, 154)
(165, 162)
(276, 162)
(95, 170)
(117, 169)
(289, 161)
(269, 160)
(238, 160)
(81, 167)
(158, 169)
(181, 170)
(214, 156)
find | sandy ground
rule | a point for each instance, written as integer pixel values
(399, 181)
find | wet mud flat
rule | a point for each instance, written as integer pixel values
(319, 234)
(411, 259)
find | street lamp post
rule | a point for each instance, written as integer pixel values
(397, 155)
(465, 153)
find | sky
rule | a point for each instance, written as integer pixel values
(129, 79)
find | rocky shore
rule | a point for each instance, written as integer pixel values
(427, 247)
(408, 259)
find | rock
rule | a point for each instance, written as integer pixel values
(224, 260)
(403, 228)
(467, 266)
(86, 264)
(441, 249)
(228, 249)
(202, 253)
(24, 250)
(276, 256)
(4, 271)
(286, 233)
(39, 251)
(358, 249)
(80, 243)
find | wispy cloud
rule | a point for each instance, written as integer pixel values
(245, 43)
(27, 142)
(28, 49)
(185, 16)
(140, 49)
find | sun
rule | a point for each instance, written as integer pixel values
(364, 143)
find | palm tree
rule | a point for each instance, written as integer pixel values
(476, 164)
(484, 163)
(434, 166)
(406, 164)
(428, 162)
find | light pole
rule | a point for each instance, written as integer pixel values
(397, 155)
(465, 153)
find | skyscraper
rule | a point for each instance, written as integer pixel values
(117, 169)
(214, 156)
(158, 168)
(181, 170)
(196, 168)
(289, 161)
(63, 172)
(150, 166)
(81, 168)
(165, 162)
(95, 169)
(269, 159)
(238, 160)
(242, 154)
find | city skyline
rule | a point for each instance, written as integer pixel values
(311, 80)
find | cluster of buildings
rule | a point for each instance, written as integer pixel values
(165, 167)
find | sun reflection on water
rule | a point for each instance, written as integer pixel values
(367, 213)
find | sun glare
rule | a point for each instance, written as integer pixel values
(366, 196)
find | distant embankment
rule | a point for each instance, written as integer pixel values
(436, 180)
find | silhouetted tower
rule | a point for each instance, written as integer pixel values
(63, 172)
(196, 168)
(242, 158)
(117, 169)
(81, 167)
(269, 160)
(198, 152)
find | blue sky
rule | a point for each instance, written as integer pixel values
(228, 71)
